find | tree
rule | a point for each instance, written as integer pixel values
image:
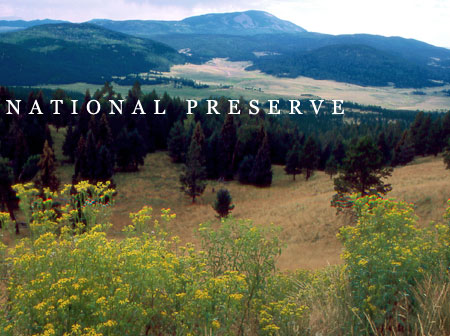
(261, 173)
(176, 143)
(294, 161)
(227, 144)
(331, 166)
(245, 169)
(310, 156)
(404, 150)
(362, 172)
(47, 165)
(194, 172)
(130, 150)
(223, 205)
(447, 156)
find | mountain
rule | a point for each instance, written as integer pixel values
(239, 23)
(67, 53)
(6, 26)
(274, 46)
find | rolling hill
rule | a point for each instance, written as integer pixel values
(238, 23)
(67, 53)
(274, 46)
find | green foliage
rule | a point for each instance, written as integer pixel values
(385, 255)
(6, 180)
(310, 158)
(69, 53)
(47, 169)
(362, 172)
(294, 161)
(261, 173)
(222, 204)
(176, 143)
(227, 145)
(194, 173)
(82, 283)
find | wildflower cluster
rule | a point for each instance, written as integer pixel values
(70, 279)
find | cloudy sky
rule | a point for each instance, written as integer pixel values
(419, 19)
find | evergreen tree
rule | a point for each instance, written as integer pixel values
(227, 145)
(176, 143)
(194, 173)
(245, 169)
(404, 150)
(222, 204)
(70, 144)
(384, 148)
(7, 196)
(294, 161)
(261, 173)
(447, 156)
(47, 165)
(363, 171)
(310, 156)
(331, 167)
(80, 159)
(104, 168)
(30, 168)
(130, 150)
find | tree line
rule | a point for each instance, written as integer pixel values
(224, 146)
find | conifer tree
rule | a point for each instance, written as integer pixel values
(47, 165)
(310, 156)
(194, 173)
(130, 150)
(404, 150)
(80, 159)
(446, 156)
(331, 166)
(228, 139)
(245, 169)
(294, 161)
(176, 143)
(6, 193)
(70, 144)
(222, 204)
(363, 170)
(261, 173)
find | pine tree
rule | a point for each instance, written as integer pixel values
(261, 173)
(222, 204)
(194, 173)
(176, 143)
(227, 144)
(80, 159)
(310, 156)
(245, 169)
(7, 196)
(70, 144)
(404, 150)
(294, 161)
(447, 156)
(363, 170)
(331, 166)
(47, 165)
(130, 150)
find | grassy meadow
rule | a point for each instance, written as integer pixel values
(230, 79)
(301, 208)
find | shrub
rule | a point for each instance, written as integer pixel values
(223, 205)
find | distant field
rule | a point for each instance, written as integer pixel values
(302, 209)
(231, 80)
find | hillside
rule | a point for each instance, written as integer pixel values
(238, 23)
(67, 53)
(83, 52)
(302, 209)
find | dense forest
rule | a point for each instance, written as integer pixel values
(224, 146)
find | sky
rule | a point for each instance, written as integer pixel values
(425, 20)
